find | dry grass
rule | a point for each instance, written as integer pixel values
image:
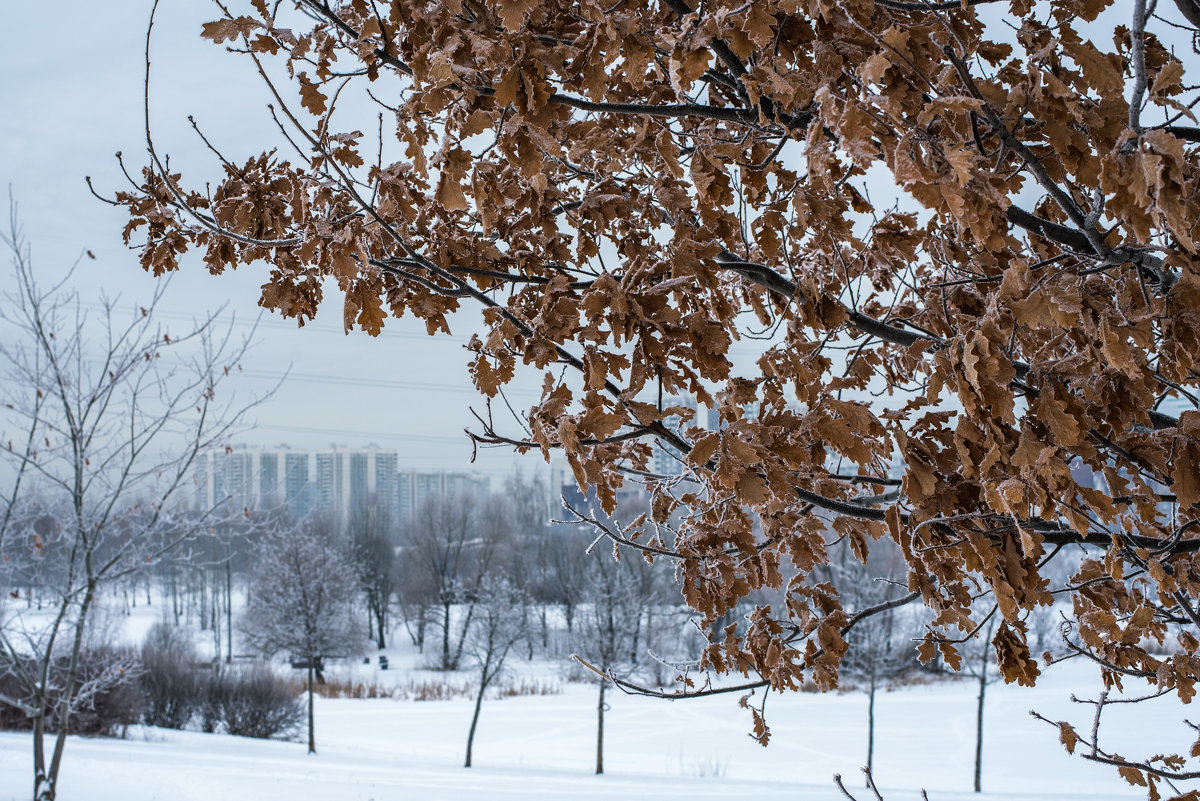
(418, 689)
(525, 687)
(410, 690)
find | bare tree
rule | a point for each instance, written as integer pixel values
(375, 563)
(526, 564)
(567, 573)
(415, 595)
(454, 541)
(604, 630)
(981, 657)
(496, 629)
(881, 644)
(105, 411)
(303, 600)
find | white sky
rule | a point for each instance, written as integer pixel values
(72, 97)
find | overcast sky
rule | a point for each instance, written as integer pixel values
(72, 97)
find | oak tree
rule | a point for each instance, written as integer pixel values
(962, 237)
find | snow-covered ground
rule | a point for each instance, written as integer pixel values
(544, 747)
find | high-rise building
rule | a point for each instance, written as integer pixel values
(562, 482)
(249, 478)
(297, 490)
(667, 461)
(328, 481)
(412, 487)
(352, 479)
(336, 481)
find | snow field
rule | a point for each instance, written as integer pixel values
(543, 747)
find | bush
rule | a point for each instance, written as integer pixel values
(119, 704)
(116, 705)
(251, 703)
(173, 689)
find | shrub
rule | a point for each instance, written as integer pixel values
(251, 703)
(114, 706)
(173, 690)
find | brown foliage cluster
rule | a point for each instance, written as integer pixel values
(624, 185)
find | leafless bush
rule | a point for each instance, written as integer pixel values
(252, 703)
(172, 688)
(115, 705)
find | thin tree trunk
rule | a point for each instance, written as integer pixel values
(228, 610)
(637, 634)
(312, 737)
(871, 729)
(39, 748)
(63, 722)
(462, 636)
(600, 729)
(445, 636)
(474, 722)
(650, 645)
(203, 601)
(216, 621)
(979, 723)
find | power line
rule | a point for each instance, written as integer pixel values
(744, 345)
(271, 321)
(361, 381)
(368, 434)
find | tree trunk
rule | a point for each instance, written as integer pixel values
(203, 602)
(228, 612)
(979, 723)
(445, 636)
(637, 635)
(216, 621)
(63, 720)
(381, 624)
(462, 635)
(600, 729)
(312, 738)
(474, 722)
(871, 729)
(39, 748)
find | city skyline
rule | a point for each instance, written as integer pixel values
(337, 480)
